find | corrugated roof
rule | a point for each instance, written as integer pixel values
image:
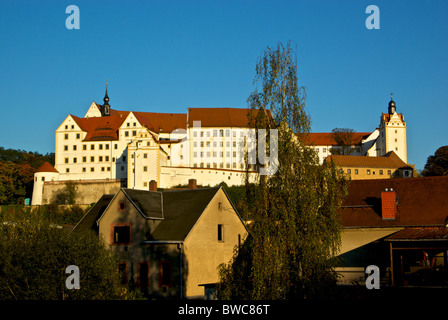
(421, 202)
(390, 160)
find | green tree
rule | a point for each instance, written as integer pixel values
(437, 164)
(34, 255)
(296, 227)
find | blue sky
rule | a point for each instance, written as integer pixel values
(166, 56)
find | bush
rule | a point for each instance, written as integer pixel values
(35, 253)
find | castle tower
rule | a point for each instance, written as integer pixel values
(392, 133)
(46, 172)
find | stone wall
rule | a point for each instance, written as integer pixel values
(89, 191)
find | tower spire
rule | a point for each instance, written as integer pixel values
(105, 110)
(392, 108)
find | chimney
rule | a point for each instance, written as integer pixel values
(388, 204)
(153, 185)
(192, 184)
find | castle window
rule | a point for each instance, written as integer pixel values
(67, 170)
(66, 160)
(43, 178)
(134, 133)
(115, 146)
(65, 148)
(92, 159)
(92, 169)
(126, 133)
(84, 169)
(74, 148)
(145, 169)
(75, 160)
(78, 136)
(101, 147)
(84, 147)
(66, 136)
(100, 159)
(92, 147)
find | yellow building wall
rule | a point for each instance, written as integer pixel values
(203, 252)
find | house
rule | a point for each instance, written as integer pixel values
(170, 243)
(365, 167)
(399, 225)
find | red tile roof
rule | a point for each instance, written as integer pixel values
(101, 128)
(220, 117)
(47, 167)
(162, 122)
(428, 233)
(327, 138)
(389, 160)
(421, 202)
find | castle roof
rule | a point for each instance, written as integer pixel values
(327, 138)
(221, 117)
(47, 167)
(389, 160)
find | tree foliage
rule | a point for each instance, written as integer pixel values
(296, 228)
(437, 164)
(34, 255)
(17, 168)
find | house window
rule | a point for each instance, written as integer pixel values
(126, 134)
(92, 147)
(65, 148)
(145, 169)
(115, 146)
(100, 147)
(66, 160)
(121, 205)
(92, 159)
(166, 274)
(75, 160)
(74, 147)
(134, 133)
(381, 172)
(121, 234)
(92, 169)
(83, 169)
(123, 272)
(143, 274)
(66, 136)
(106, 146)
(368, 171)
(220, 206)
(220, 232)
(356, 171)
(67, 170)
(84, 147)
(389, 172)
(349, 171)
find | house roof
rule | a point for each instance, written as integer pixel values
(148, 203)
(88, 221)
(47, 167)
(182, 208)
(389, 160)
(420, 234)
(220, 117)
(327, 138)
(178, 210)
(421, 202)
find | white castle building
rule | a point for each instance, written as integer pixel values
(205, 144)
